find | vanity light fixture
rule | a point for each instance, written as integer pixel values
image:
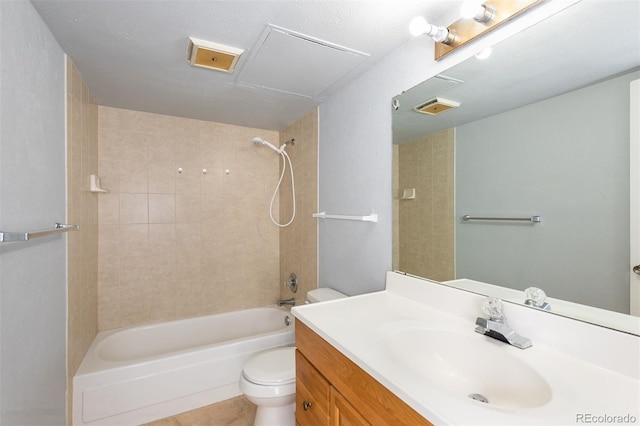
(481, 16)
(419, 26)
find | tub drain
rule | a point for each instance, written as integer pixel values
(478, 397)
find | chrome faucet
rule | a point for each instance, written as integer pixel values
(496, 326)
(291, 302)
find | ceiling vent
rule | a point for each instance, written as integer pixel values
(207, 54)
(436, 106)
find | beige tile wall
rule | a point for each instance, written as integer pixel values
(426, 224)
(174, 245)
(299, 241)
(395, 207)
(82, 209)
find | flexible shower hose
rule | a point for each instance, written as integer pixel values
(285, 159)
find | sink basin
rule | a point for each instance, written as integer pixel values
(469, 366)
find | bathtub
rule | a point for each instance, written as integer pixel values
(135, 375)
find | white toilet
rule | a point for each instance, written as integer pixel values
(268, 379)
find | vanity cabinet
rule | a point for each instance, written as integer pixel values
(313, 394)
(343, 413)
(332, 390)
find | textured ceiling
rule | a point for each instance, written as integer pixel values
(132, 54)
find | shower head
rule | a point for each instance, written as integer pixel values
(260, 141)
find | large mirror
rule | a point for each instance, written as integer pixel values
(541, 129)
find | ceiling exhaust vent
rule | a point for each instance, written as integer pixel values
(436, 106)
(207, 54)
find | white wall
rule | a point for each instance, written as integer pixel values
(355, 157)
(32, 197)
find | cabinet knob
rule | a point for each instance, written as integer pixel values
(306, 405)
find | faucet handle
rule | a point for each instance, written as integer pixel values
(493, 307)
(535, 295)
(537, 298)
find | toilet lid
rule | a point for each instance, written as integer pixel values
(272, 367)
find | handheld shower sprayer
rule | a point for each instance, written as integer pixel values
(260, 141)
(285, 158)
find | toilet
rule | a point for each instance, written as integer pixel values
(268, 378)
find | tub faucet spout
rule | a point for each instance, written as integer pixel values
(290, 302)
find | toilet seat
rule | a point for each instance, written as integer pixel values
(272, 368)
(267, 394)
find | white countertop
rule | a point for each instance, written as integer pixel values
(603, 382)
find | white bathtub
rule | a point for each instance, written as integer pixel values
(134, 375)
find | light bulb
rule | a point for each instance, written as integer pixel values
(476, 10)
(418, 26)
(440, 34)
(484, 53)
(470, 8)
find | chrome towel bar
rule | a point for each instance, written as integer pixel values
(59, 228)
(534, 219)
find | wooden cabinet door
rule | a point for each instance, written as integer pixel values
(312, 394)
(343, 413)
(374, 401)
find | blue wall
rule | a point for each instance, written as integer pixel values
(32, 197)
(566, 159)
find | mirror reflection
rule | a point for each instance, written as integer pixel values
(542, 129)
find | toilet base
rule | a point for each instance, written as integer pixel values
(283, 415)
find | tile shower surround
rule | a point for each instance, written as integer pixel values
(299, 241)
(426, 224)
(174, 245)
(82, 209)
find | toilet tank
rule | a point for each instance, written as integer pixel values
(323, 294)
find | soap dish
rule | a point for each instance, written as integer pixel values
(95, 185)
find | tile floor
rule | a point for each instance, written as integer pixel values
(232, 412)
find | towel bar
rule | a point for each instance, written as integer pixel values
(59, 228)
